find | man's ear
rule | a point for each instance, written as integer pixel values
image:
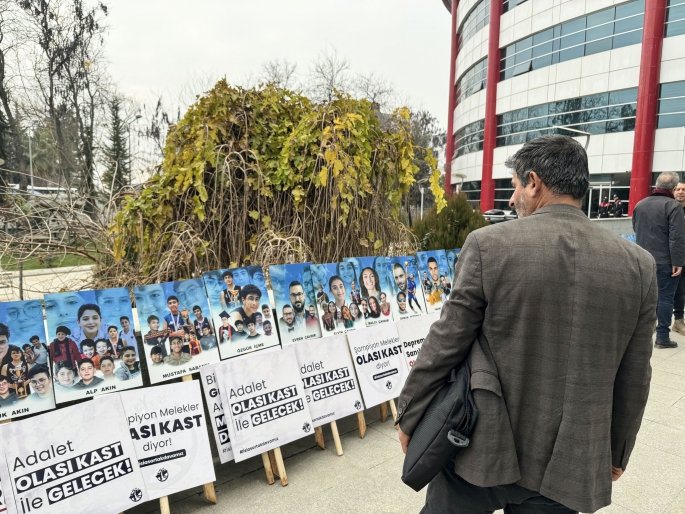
(535, 184)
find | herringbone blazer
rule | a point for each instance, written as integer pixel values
(561, 312)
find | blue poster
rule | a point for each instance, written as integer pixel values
(407, 295)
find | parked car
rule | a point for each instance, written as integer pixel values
(498, 215)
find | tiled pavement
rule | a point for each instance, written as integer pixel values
(366, 478)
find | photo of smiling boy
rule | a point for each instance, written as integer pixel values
(177, 357)
(88, 350)
(208, 340)
(102, 349)
(156, 356)
(86, 372)
(7, 395)
(267, 328)
(155, 336)
(41, 384)
(129, 367)
(174, 322)
(107, 367)
(126, 333)
(65, 377)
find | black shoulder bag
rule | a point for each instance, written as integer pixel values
(445, 428)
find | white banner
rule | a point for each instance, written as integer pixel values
(412, 334)
(218, 418)
(329, 381)
(380, 364)
(169, 432)
(266, 399)
(78, 459)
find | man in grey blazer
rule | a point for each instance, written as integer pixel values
(556, 317)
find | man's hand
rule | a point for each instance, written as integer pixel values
(617, 472)
(676, 270)
(404, 439)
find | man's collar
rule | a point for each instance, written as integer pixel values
(560, 208)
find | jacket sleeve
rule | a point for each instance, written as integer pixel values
(449, 339)
(631, 385)
(676, 235)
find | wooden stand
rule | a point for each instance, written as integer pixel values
(361, 422)
(384, 412)
(336, 438)
(277, 465)
(267, 468)
(318, 437)
(210, 493)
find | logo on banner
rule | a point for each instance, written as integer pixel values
(162, 475)
(357, 405)
(306, 427)
(136, 495)
(388, 384)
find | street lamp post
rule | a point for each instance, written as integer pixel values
(31, 162)
(421, 189)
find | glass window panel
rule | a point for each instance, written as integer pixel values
(675, 29)
(572, 104)
(543, 36)
(500, 141)
(594, 128)
(631, 38)
(573, 40)
(539, 123)
(538, 110)
(600, 32)
(542, 49)
(507, 51)
(596, 47)
(520, 69)
(507, 117)
(672, 105)
(516, 139)
(521, 114)
(675, 13)
(672, 89)
(601, 17)
(623, 96)
(542, 62)
(572, 53)
(675, 2)
(591, 101)
(573, 26)
(593, 115)
(555, 58)
(628, 24)
(671, 121)
(630, 8)
(524, 56)
(532, 135)
(570, 118)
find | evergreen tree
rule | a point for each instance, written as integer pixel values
(118, 164)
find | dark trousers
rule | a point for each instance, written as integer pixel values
(664, 309)
(448, 493)
(679, 299)
(412, 298)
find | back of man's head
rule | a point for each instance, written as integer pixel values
(559, 161)
(667, 180)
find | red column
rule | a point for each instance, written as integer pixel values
(487, 188)
(449, 150)
(647, 99)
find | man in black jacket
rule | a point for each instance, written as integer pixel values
(660, 229)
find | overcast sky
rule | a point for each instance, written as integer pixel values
(159, 45)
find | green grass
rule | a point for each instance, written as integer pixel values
(9, 263)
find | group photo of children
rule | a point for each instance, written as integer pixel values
(93, 344)
(241, 309)
(25, 374)
(175, 326)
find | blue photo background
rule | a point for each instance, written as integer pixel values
(152, 299)
(281, 277)
(62, 309)
(24, 319)
(452, 259)
(408, 262)
(440, 257)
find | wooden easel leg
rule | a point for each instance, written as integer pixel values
(280, 466)
(210, 493)
(268, 469)
(384, 412)
(164, 505)
(318, 437)
(336, 438)
(393, 408)
(361, 422)
(274, 466)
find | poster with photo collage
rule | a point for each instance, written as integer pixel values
(338, 304)
(92, 346)
(295, 312)
(25, 371)
(406, 297)
(435, 278)
(239, 302)
(178, 334)
(373, 289)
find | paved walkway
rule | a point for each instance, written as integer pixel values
(366, 477)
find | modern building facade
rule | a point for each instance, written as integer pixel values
(613, 69)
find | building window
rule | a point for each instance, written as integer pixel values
(603, 113)
(598, 32)
(508, 5)
(472, 81)
(472, 191)
(469, 139)
(671, 105)
(478, 18)
(675, 18)
(503, 192)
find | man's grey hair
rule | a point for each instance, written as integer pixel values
(667, 180)
(559, 161)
